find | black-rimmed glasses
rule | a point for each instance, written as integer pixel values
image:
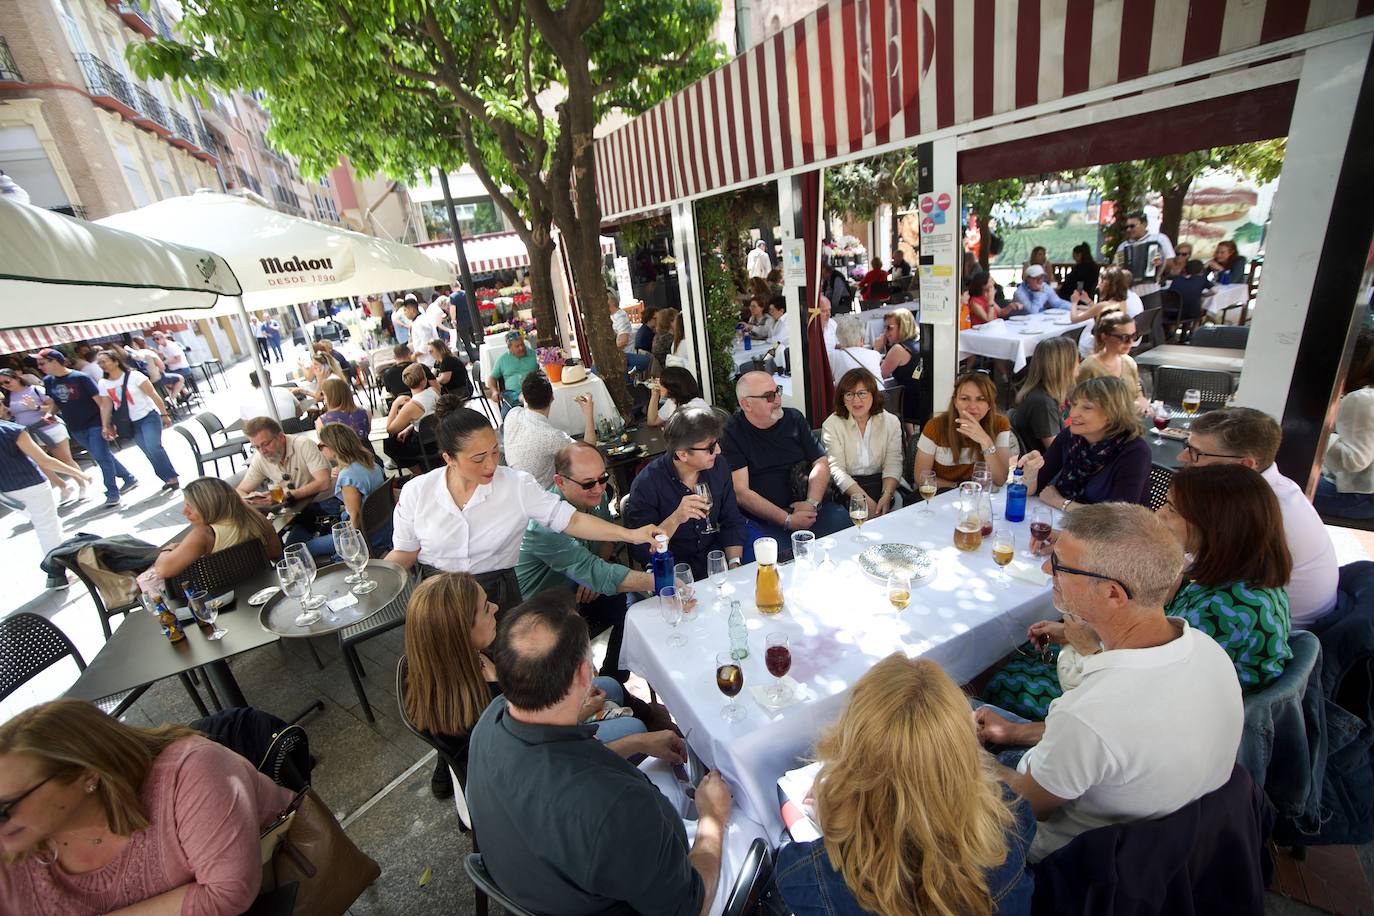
(1056, 567)
(709, 447)
(590, 484)
(769, 396)
(8, 806)
(1197, 453)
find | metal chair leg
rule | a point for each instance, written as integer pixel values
(319, 664)
(194, 694)
(358, 686)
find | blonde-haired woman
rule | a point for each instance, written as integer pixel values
(450, 680)
(913, 818)
(1040, 404)
(219, 519)
(100, 816)
(339, 407)
(902, 361)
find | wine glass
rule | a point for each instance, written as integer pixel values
(670, 606)
(803, 548)
(206, 612)
(927, 488)
(704, 491)
(717, 567)
(1192, 400)
(301, 554)
(295, 584)
(982, 476)
(858, 514)
(1161, 421)
(778, 657)
(340, 535)
(1041, 526)
(685, 583)
(1003, 551)
(987, 515)
(357, 558)
(730, 681)
(899, 590)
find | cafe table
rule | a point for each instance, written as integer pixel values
(963, 616)
(1225, 304)
(1014, 339)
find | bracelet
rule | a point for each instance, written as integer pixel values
(787, 522)
(735, 561)
(1065, 507)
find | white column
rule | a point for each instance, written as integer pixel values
(940, 280)
(692, 297)
(789, 217)
(1317, 137)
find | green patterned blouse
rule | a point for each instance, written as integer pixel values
(1251, 624)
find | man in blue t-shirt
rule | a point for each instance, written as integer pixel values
(765, 445)
(86, 412)
(1190, 289)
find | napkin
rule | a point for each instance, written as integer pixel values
(346, 600)
(1028, 571)
(800, 693)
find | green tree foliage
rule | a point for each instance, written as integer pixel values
(981, 196)
(855, 190)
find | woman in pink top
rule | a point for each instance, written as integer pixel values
(99, 817)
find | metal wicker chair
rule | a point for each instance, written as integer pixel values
(388, 618)
(377, 510)
(223, 569)
(214, 454)
(1158, 491)
(214, 426)
(1170, 383)
(30, 645)
(1227, 336)
(1149, 324)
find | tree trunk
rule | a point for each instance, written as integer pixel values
(540, 247)
(1171, 214)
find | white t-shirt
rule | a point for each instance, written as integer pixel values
(173, 355)
(666, 407)
(1312, 586)
(422, 331)
(1085, 340)
(140, 405)
(530, 443)
(255, 405)
(1138, 734)
(843, 360)
(621, 324)
(484, 535)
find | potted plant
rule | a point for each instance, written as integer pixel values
(552, 360)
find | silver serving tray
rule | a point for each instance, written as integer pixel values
(882, 560)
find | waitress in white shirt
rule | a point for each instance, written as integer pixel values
(148, 414)
(470, 515)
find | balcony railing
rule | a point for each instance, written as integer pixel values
(152, 109)
(106, 82)
(9, 70)
(181, 126)
(136, 16)
(163, 27)
(205, 139)
(244, 180)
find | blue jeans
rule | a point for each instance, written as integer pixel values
(830, 517)
(509, 399)
(1330, 501)
(614, 729)
(302, 529)
(636, 361)
(1007, 755)
(110, 468)
(321, 546)
(148, 437)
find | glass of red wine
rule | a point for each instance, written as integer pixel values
(730, 681)
(1161, 421)
(1041, 526)
(778, 657)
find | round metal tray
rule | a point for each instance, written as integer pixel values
(279, 614)
(882, 560)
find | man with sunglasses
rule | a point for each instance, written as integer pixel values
(1151, 714)
(768, 447)
(1243, 435)
(553, 560)
(1143, 253)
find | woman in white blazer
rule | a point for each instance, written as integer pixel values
(864, 443)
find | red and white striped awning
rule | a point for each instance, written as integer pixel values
(27, 340)
(494, 251)
(861, 74)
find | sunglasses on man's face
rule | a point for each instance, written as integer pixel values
(592, 484)
(769, 396)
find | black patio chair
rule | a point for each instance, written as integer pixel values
(1158, 490)
(377, 510)
(30, 645)
(214, 454)
(1149, 324)
(482, 880)
(385, 620)
(1226, 336)
(214, 426)
(1170, 383)
(221, 570)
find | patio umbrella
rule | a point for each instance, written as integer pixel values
(56, 270)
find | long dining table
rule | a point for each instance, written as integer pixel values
(964, 616)
(1015, 339)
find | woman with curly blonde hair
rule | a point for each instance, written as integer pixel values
(912, 816)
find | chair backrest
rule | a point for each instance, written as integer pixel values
(103, 609)
(460, 801)
(223, 569)
(430, 459)
(1074, 334)
(1172, 381)
(477, 871)
(210, 423)
(1171, 300)
(1228, 336)
(1160, 478)
(190, 439)
(29, 645)
(1149, 324)
(753, 883)
(377, 509)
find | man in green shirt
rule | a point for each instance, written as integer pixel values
(510, 370)
(552, 560)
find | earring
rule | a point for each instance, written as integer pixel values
(90, 787)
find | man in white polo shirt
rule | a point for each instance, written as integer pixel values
(1243, 435)
(1151, 714)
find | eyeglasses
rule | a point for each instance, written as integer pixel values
(591, 484)
(769, 396)
(1133, 225)
(709, 447)
(8, 806)
(1195, 453)
(1057, 568)
(1125, 338)
(858, 394)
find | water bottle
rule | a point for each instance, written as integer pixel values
(748, 341)
(739, 633)
(1016, 497)
(662, 564)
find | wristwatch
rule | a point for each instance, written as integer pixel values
(735, 561)
(990, 450)
(1065, 507)
(813, 503)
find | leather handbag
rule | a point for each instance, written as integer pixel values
(306, 845)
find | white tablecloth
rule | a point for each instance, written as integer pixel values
(490, 352)
(840, 624)
(873, 318)
(1222, 296)
(566, 413)
(1015, 341)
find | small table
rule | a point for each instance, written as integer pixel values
(1015, 341)
(566, 413)
(651, 445)
(1221, 359)
(1219, 302)
(279, 614)
(138, 654)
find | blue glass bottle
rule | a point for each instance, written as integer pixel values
(662, 565)
(1016, 497)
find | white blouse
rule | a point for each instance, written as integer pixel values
(484, 535)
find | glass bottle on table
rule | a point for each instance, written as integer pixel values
(738, 631)
(767, 581)
(1015, 508)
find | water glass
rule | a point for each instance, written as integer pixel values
(205, 611)
(685, 583)
(670, 606)
(340, 534)
(301, 554)
(804, 548)
(704, 491)
(294, 585)
(982, 476)
(357, 558)
(717, 567)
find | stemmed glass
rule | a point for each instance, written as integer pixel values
(718, 568)
(899, 590)
(1003, 551)
(340, 532)
(982, 476)
(301, 554)
(355, 553)
(858, 514)
(685, 583)
(1161, 422)
(1041, 526)
(1192, 400)
(206, 612)
(927, 489)
(704, 491)
(730, 681)
(670, 606)
(778, 657)
(295, 584)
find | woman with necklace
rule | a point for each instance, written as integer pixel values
(99, 817)
(470, 515)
